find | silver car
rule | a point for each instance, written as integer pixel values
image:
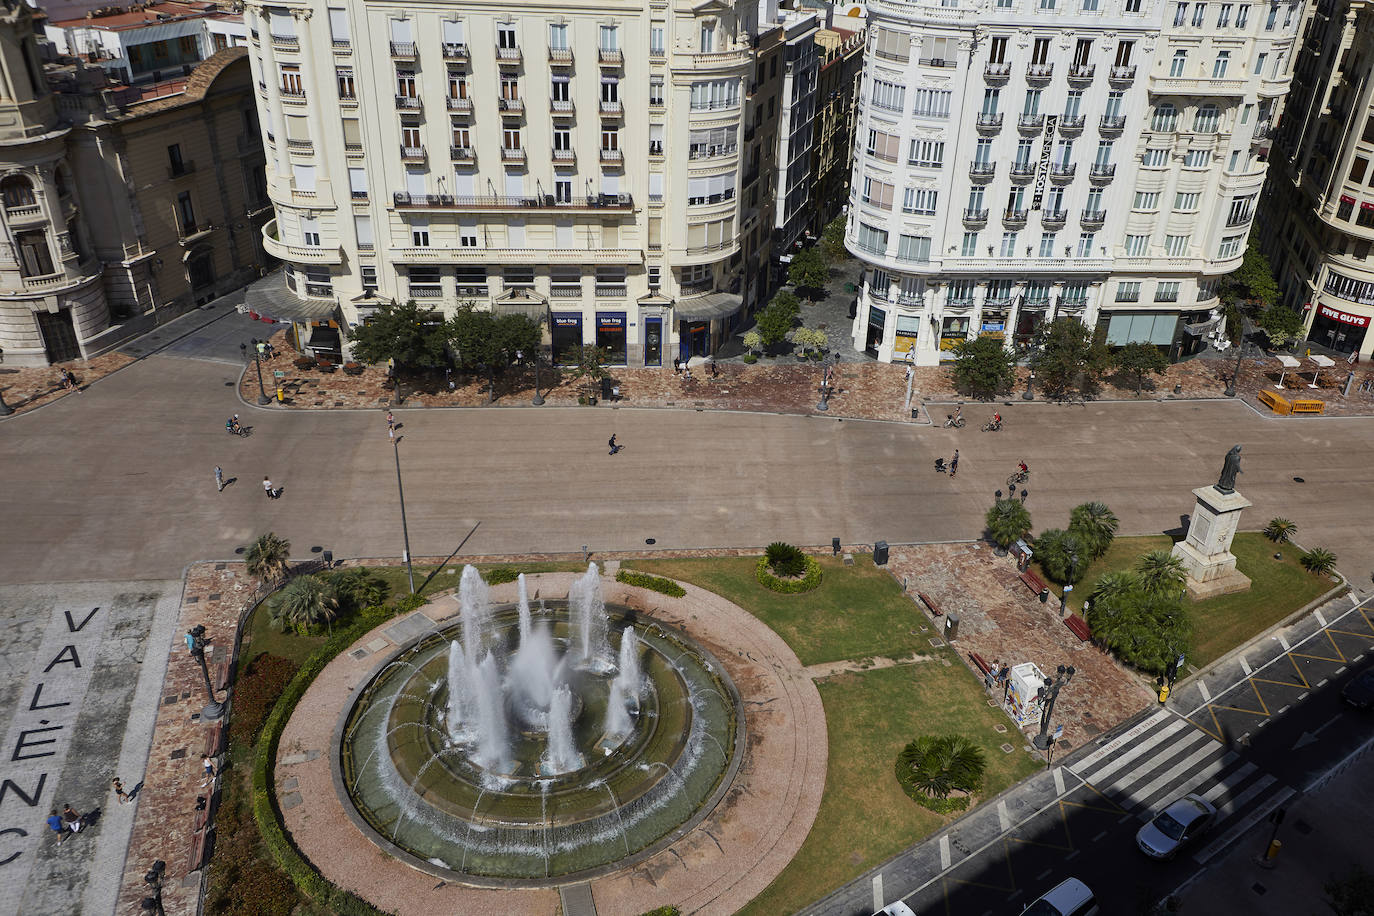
(1176, 826)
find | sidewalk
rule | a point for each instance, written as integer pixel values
(1320, 840)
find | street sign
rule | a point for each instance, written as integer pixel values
(1178, 663)
(1058, 732)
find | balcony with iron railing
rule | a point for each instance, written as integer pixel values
(1063, 171)
(1239, 219)
(1112, 123)
(512, 154)
(997, 71)
(989, 121)
(561, 57)
(1101, 171)
(404, 50)
(1091, 218)
(286, 42)
(1081, 73)
(1014, 217)
(612, 109)
(455, 51)
(462, 154)
(1076, 302)
(612, 157)
(1039, 71)
(695, 288)
(408, 103)
(292, 96)
(1054, 217)
(1022, 170)
(562, 108)
(403, 200)
(342, 46)
(353, 150)
(1122, 73)
(1263, 131)
(975, 217)
(942, 62)
(508, 57)
(981, 171)
(187, 166)
(460, 105)
(412, 153)
(511, 106)
(610, 57)
(1071, 123)
(1030, 121)
(564, 157)
(565, 291)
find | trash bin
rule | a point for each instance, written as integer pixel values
(1044, 595)
(951, 626)
(880, 553)
(281, 395)
(606, 392)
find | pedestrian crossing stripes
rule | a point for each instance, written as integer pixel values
(1162, 758)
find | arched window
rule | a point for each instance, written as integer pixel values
(17, 191)
(1165, 118)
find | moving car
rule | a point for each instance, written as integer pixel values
(1183, 821)
(1069, 897)
(1360, 691)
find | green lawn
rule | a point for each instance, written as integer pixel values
(865, 818)
(1278, 588)
(857, 611)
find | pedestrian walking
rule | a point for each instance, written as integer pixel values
(614, 448)
(267, 488)
(954, 464)
(58, 826)
(219, 478)
(208, 763)
(1003, 674)
(990, 678)
(119, 792)
(72, 819)
(390, 420)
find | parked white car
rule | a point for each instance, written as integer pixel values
(1182, 822)
(1069, 897)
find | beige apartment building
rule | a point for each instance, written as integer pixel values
(596, 164)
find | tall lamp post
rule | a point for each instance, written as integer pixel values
(405, 531)
(827, 381)
(1048, 694)
(538, 398)
(262, 390)
(1240, 354)
(196, 642)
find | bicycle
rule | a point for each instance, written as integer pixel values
(952, 421)
(1018, 477)
(992, 426)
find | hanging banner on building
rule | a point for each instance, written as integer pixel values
(1359, 321)
(1042, 170)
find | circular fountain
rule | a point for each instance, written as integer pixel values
(525, 745)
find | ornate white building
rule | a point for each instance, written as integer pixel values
(1019, 160)
(594, 162)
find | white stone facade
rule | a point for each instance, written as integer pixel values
(1020, 160)
(585, 161)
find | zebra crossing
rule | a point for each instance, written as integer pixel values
(1163, 757)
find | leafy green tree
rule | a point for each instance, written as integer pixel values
(1062, 555)
(787, 302)
(480, 338)
(1253, 282)
(1095, 526)
(936, 765)
(412, 336)
(1280, 324)
(984, 367)
(304, 602)
(1114, 599)
(1352, 894)
(591, 363)
(752, 340)
(1161, 573)
(1066, 360)
(808, 340)
(1280, 530)
(1008, 521)
(267, 558)
(774, 322)
(1318, 560)
(809, 272)
(832, 240)
(1138, 359)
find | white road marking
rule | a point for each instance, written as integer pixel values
(877, 892)
(1283, 642)
(1244, 665)
(945, 858)
(1202, 689)
(1320, 619)
(1059, 780)
(1004, 816)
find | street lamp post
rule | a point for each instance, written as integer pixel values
(405, 531)
(1240, 354)
(1064, 592)
(196, 641)
(538, 398)
(262, 390)
(1030, 386)
(1048, 694)
(153, 879)
(827, 382)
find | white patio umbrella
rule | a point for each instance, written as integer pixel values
(1287, 362)
(1323, 362)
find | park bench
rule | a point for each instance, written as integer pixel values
(980, 663)
(202, 841)
(930, 603)
(214, 739)
(1276, 402)
(1079, 626)
(1033, 582)
(1309, 405)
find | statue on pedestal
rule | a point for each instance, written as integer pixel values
(1229, 469)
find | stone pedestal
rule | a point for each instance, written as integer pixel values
(1206, 553)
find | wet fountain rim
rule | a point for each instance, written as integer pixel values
(619, 612)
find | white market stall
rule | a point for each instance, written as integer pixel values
(1323, 362)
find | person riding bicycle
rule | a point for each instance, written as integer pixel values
(997, 420)
(1024, 469)
(232, 425)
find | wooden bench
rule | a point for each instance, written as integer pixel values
(1276, 402)
(980, 663)
(1079, 626)
(1033, 582)
(202, 842)
(214, 740)
(930, 603)
(1308, 405)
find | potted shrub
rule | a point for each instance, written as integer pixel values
(353, 368)
(303, 362)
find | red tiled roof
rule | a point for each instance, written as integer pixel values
(137, 18)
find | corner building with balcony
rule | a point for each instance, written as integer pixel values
(1022, 160)
(1317, 214)
(592, 163)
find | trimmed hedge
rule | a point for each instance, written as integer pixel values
(654, 583)
(501, 575)
(806, 583)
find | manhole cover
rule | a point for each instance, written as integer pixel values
(651, 540)
(937, 642)
(1296, 480)
(1000, 729)
(1006, 748)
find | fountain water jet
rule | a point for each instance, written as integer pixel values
(493, 742)
(589, 614)
(629, 679)
(474, 599)
(562, 755)
(523, 605)
(618, 721)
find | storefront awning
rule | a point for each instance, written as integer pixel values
(271, 298)
(707, 308)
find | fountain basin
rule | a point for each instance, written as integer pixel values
(419, 793)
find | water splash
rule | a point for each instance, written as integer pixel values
(589, 617)
(524, 607)
(561, 755)
(618, 721)
(629, 679)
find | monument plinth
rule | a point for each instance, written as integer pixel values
(1206, 552)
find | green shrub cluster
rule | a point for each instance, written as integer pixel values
(653, 583)
(664, 911)
(810, 580)
(501, 575)
(255, 693)
(933, 767)
(785, 560)
(242, 881)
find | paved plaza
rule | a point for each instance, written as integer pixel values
(112, 493)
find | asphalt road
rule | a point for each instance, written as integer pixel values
(117, 483)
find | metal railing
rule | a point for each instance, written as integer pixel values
(404, 49)
(1039, 71)
(997, 71)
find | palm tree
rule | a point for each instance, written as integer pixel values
(304, 602)
(267, 558)
(1161, 573)
(1062, 555)
(1280, 530)
(1095, 525)
(936, 765)
(1319, 560)
(1008, 521)
(1112, 601)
